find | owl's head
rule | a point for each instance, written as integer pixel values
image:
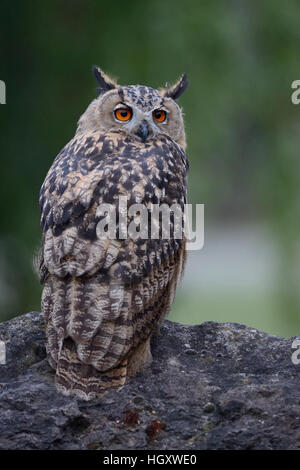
(139, 111)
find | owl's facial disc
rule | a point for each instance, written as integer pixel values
(139, 122)
(140, 112)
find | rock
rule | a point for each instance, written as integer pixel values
(237, 389)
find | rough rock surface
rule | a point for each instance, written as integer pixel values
(210, 386)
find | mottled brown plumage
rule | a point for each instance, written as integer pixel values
(104, 298)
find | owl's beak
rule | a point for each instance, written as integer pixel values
(143, 131)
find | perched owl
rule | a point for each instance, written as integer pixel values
(102, 297)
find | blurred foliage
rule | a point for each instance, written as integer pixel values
(243, 131)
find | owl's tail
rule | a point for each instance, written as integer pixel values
(69, 305)
(83, 380)
(98, 333)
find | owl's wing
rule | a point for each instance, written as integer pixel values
(107, 295)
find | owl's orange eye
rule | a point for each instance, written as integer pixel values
(159, 115)
(123, 114)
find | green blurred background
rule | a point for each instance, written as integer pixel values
(243, 137)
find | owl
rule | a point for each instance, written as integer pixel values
(103, 297)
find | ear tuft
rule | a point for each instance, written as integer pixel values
(176, 90)
(106, 83)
